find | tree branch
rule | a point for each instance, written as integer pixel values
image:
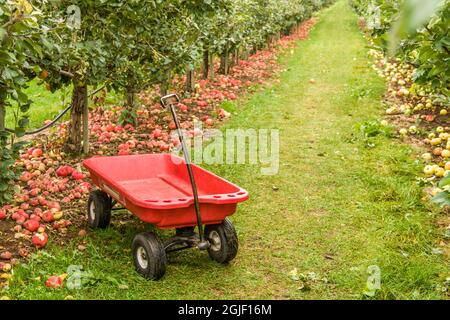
(13, 20)
(67, 74)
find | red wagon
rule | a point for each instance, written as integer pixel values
(168, 192)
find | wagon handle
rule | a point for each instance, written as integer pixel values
(169, 102)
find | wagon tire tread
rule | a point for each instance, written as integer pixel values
(229, 241)
(157, 259)
(102, 209)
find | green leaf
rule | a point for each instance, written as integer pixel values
(444, 181)
(442, 199)
(413, 14)
(23, 123)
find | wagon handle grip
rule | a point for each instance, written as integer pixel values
(169, 101)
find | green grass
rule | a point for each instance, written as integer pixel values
(46, 105)
(343, 203)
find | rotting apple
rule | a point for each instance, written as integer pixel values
(39, 240)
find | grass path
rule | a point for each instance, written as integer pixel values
(339, 208)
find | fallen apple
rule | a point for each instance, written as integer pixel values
(427, 156)
(64, 171)
(35, 217)
(209, 122)
(36, 153)
(428, 170)
(34, 192)
(437, 151)
(156, 133)
(77, 175)
(25, 206)
(403, 131)
(445, 153)
(54, 282)
(6, 267)
(6, 255)
(439, 172)
(26, 176)
(31, 225)
(39, 240)
(57, 215)
(47, 216)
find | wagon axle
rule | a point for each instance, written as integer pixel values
(185, 238)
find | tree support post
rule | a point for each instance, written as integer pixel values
(205, 70)
(74, 140)
(212, 74)
(190, 79)
(224, 60)
(86, 125)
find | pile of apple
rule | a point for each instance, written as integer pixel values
(37, 203)
(421, 116)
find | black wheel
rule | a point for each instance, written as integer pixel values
(149, 255)
(99, 209)
(223, 241)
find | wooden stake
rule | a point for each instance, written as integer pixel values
(86, 125)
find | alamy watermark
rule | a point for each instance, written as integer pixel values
(73, 20)
(74, 274)
(373, 280)
(232, 146)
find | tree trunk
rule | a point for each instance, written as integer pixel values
(236, 57)
(130, 96)
(212, 74)
(224, 60)
(73, 143)
(190, 79)
(205, 65)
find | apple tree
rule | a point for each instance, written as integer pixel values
(21, 39)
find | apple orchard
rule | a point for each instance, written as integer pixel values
(212, 53)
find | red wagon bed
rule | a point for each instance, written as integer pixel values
(156, 188)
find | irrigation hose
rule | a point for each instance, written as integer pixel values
(59, 116)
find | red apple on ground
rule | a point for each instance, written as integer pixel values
(54, 282)
(6, 255)
(31, 225)
(40, 240)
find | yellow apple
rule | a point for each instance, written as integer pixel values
(445, 153)
(428, 170)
